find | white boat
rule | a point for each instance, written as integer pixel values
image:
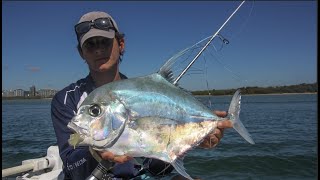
(45, 168)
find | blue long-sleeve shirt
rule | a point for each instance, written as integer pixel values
(79, 163)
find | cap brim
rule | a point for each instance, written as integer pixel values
(97, 32)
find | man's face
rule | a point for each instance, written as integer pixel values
(100, 53)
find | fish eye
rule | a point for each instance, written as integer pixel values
(95, 110)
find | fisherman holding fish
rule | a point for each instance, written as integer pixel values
(101, 45)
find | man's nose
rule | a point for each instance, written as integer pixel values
(100, 49)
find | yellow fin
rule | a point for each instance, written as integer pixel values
(75, 139)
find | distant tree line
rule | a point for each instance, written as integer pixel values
(300, 88)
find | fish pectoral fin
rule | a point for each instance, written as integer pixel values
(178, 166)
(133, 114)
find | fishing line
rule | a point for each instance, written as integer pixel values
(175, 67)
(172, 62)
(224, 41)
(194, 70)
(179, 66)
(207, 83)
(206, 45)
(189, 53)
(244, 21)
(234, 75)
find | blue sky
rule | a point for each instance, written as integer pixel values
(271, 43)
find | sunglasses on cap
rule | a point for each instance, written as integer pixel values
(100, 23)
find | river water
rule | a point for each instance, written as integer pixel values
(284, 128)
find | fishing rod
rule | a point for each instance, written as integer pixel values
(196, 57)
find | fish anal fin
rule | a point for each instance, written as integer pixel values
(178, 166)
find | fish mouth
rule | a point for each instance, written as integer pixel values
(73, 127)
(77, 129)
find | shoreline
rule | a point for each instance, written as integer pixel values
(283, 93)
(263, 94)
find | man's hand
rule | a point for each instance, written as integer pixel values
(107, 155)
(214, 138)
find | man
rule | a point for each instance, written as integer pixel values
(101, 45)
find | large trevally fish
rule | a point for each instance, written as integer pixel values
(148, 117)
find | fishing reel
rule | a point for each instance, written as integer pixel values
(101, 171)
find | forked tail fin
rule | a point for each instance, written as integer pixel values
(233, 113)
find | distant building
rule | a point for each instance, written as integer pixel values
(47, 93)
(7, 93)
(11, 93)
(42, 93)
(33, 91)
(18, 92)
(26, 93)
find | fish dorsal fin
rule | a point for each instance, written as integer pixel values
(167, 74)
(166, 71)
